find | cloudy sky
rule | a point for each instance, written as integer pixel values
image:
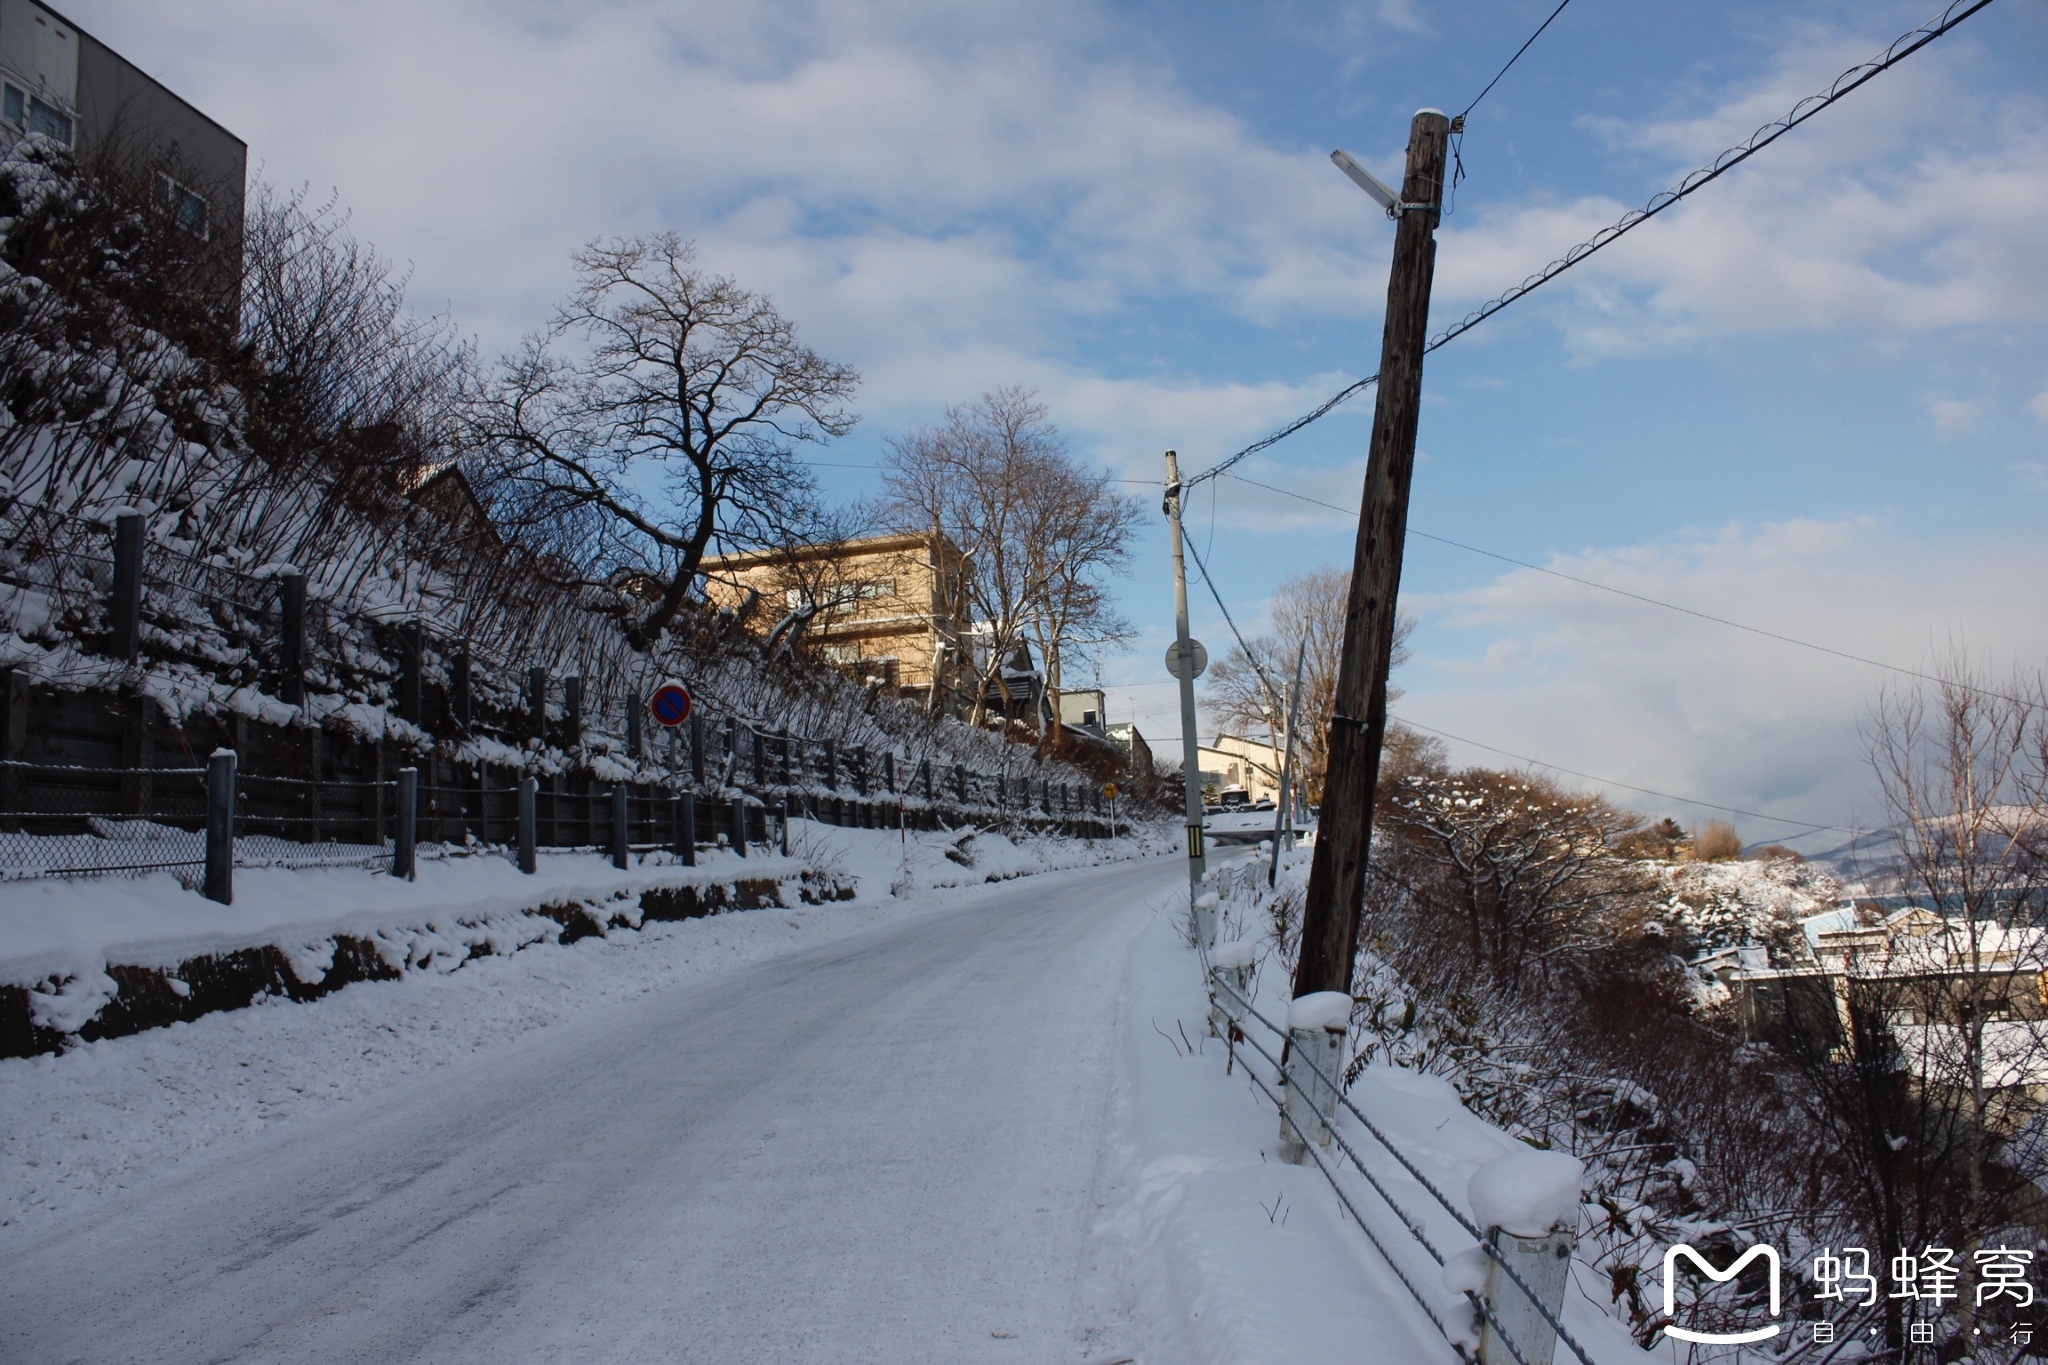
(1813, 399)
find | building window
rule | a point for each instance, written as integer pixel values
(25, 111)
(187, 208)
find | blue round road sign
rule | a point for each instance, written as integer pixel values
(670, 703)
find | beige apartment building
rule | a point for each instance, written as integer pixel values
(1235, 761)
(886, 610)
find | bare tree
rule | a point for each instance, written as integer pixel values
(675, 427)
(1082, 532)
(1249, 688)
(1527, 866)
(1963, 771)
(1038, 530)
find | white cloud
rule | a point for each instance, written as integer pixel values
(2038, 405)
(1953, 416)
(1636, 693)
(885, 171)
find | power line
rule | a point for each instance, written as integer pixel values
(1629, 786)
(1651, 601)
(1906, 45)
(1511, 61)
(1252, 657)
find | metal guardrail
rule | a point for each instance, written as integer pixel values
(1410, 1224)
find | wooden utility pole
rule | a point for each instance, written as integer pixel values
(1336, 884)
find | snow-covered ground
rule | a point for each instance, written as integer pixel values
(976, 1122)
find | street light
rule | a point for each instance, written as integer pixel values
(1373, 185)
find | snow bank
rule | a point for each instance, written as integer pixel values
(1239, 953)
(1526, 1193)
(1321, 1009)
(55, 928)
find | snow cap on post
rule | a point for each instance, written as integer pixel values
(1207, 901)
(1526, 1194)
(1238, 953)
(1329, 1010)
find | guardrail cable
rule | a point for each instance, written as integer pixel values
(1414, 1227)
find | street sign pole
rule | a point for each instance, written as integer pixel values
(1190, 745)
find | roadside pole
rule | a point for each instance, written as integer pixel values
(1190, 745)
(1283, 813)
(1358, 727)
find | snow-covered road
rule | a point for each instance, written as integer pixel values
(889, 1147)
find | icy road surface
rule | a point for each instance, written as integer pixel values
(887, 1148)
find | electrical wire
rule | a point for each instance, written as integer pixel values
(1906, 45)
(1252, 657)
(1807, 825)
(1650, 601)
(1511, 61)
(1457, 140)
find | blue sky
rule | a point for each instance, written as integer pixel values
(1813, 399)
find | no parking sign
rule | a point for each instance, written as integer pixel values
(670, 703)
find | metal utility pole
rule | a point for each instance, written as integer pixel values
(1185, 661)
(1358, 727)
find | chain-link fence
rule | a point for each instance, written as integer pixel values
(71, 821)
(288, 822)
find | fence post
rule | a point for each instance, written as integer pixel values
(529, 821)
(686, 828)
(785, 824)
(410, 666)
(1317, 1025)
(620, 850)
(572, 710)
(537, 701)
(1207, 906)
(697, 749)
(857, 759)
(831, 765)
(790, 763)
(124, 611)
(960, 782)
(291, 644)
(1544, 1263)
(924, 770)
(760, 757)
(739, 823)
(458, 689)
(889, 770)
(402, 843)
(220, 827)
(633, 728)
